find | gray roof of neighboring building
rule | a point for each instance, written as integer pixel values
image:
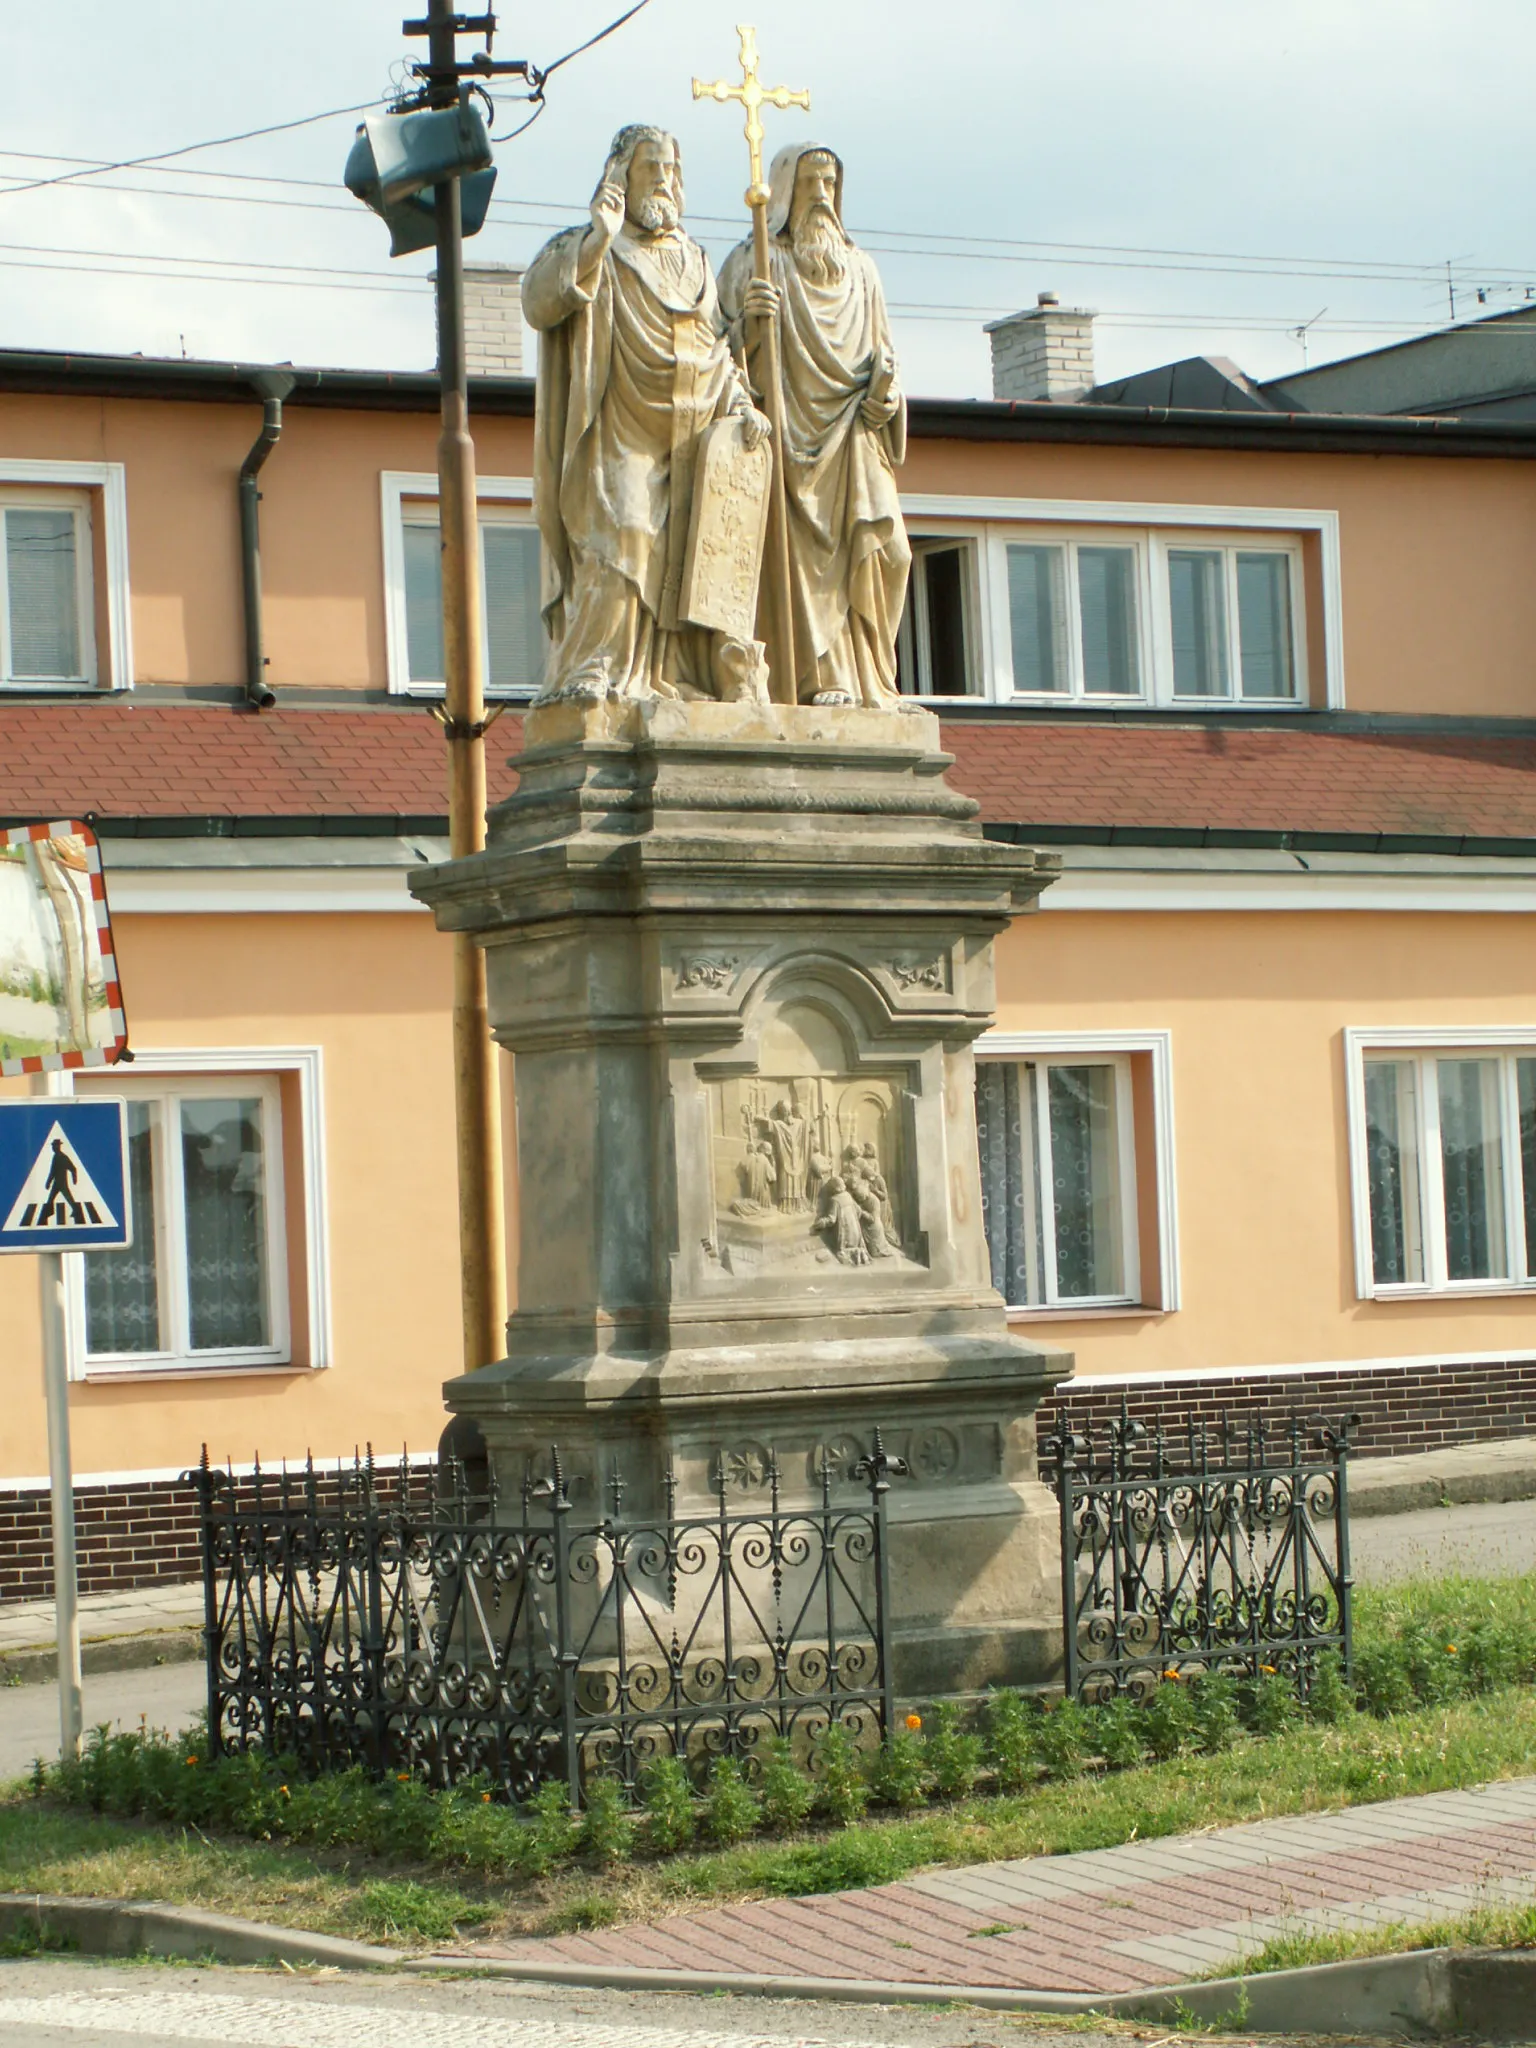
(1481, 369)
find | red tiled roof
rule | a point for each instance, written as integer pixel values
(147, 760)
(140, 759)
(1245, 779)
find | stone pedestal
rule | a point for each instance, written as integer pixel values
(741, 955)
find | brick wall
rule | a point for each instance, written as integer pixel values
(134, 1535)
(127, 1535)
(1401, 1408)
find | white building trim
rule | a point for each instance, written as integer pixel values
(988, 513)
(1159, 1044)
(115, 672)
(305, 1061)
(1409, 1038)
(395, 486)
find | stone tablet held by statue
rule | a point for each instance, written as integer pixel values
(725, 538)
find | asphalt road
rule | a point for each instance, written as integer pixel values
(1497, 1541)
(151, 2006)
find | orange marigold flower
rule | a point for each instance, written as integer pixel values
(402, 1777)
(285, 1792)
(1450, 1649)
(914, 1722)
(1171, 1673)
(191, 1760)
(485, 1798)
(1268, 1670)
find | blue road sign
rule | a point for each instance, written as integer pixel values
(64, 1175)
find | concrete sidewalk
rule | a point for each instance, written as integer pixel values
(118, 1631)
(1109, 1920)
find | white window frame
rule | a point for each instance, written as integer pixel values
(993, 522)
(215, 1071)
(1079, 1048)
(27, 480)
(1404, 1043)
(1230, 545)
(975, 609)
(400, 488)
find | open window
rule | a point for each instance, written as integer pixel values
(938, 650)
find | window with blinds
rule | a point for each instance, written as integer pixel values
(512, 629)
(45, 592)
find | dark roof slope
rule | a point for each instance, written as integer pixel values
(200, 767)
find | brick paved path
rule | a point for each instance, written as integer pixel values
(1112, 1919)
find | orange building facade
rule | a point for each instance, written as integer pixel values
(1259, 1110)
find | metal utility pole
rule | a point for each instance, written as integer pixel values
(482, 1201)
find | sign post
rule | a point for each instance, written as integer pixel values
(63, 1161)
(64, 1186)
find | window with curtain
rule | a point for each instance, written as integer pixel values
(511, 625)
(204, 1280)
(1058, 1179)
(45, 636)
(1450, 1168)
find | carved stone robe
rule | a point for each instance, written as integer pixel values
(849, 556)
(633, 367)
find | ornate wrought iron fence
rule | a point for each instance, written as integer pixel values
(404, 1619)
(1223, 1547)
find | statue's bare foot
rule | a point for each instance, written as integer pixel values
(831, 697)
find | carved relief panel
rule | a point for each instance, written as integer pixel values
(807, 1157)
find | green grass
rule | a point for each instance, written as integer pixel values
(1498, 1927)
(51, 1848)
(402, 1865)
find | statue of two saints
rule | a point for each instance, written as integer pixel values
(642, 353)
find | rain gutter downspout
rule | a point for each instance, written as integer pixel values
(273, 386)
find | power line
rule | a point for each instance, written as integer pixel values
(952, 248)
(160, 156)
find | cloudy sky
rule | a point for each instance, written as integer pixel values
(1208, 175)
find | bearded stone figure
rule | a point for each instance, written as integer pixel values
(845, 425)
(634, 367)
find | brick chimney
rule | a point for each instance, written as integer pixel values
(1045, 353)
(493, 319)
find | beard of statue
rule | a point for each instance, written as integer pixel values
(821, 247)
(657, 215)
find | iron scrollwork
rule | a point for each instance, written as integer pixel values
(405, 1618)
(1223, 1547)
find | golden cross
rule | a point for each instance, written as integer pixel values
(753, 94)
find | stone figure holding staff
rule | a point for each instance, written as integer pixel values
(634, 369)
(844, 430)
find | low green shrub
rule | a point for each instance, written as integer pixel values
(1009, 1740)
(553, 1829)
(731, 1808)
(900, 1771)
(1270, 1705)
(786, 1792)
(1117, 1733)
(1062, 1739)
(667, 1793)
(955, 1755)
(1168, 1721)
(842, 1783)
(1329, 1698)
(607, 1826)
(1213, 1701)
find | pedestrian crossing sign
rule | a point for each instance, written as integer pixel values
(64, 1175)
